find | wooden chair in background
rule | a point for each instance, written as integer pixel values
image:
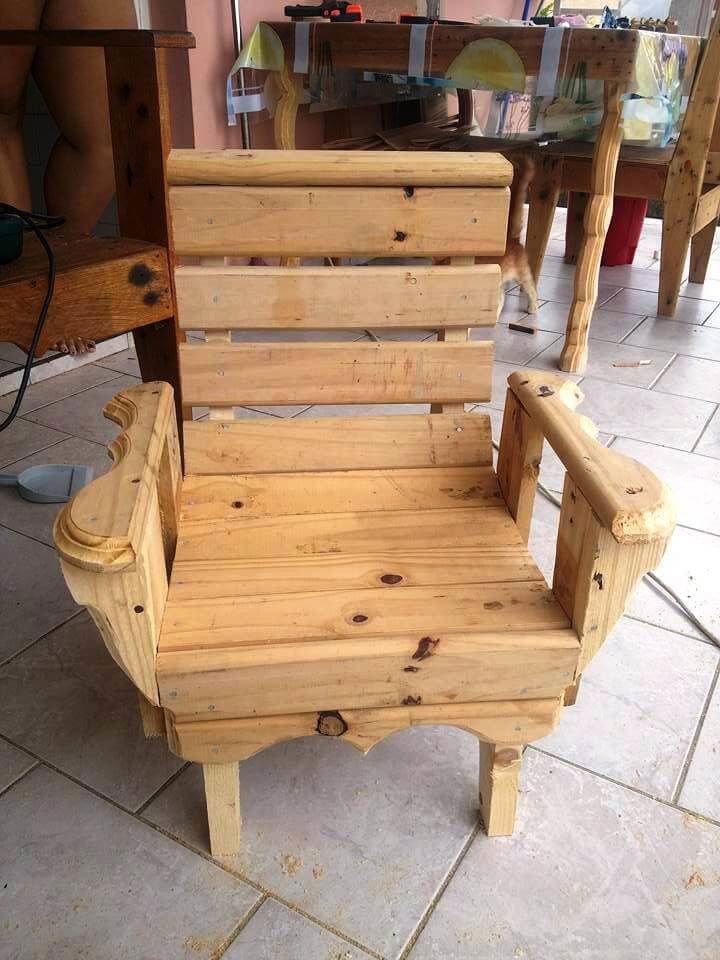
(349, 576)
(686, 177)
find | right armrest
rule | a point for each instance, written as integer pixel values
(116, 537)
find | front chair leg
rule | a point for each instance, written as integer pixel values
(499, 772)
(222, 794)
(152, 717)
(571, 692)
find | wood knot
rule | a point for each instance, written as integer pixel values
(632, 490)
(330, 724)
(492, 605)
(544, 391)
(412, 701)
(390, 578)
(425, 648)
(359, 618)
(400, 235)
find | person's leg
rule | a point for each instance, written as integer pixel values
(79, 179)
(14, 68)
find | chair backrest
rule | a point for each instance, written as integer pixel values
(326, 204)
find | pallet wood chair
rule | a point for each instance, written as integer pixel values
(349, 576)
(686, 177)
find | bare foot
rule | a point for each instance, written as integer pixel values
(75, 346)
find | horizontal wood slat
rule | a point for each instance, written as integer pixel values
(337, 443)
(378, 612)
(339, 221)
(270, 680)
(312, 535)
(316, 298)
(321, 168)
(224, 374)
(245, 496)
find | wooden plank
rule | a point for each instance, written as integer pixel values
(339, 221)
(337, 443)
(376, 612)
(499, 772)
(646, 180)
(345, 533)
(707, 209)
(222, 795)
(255, 298)
(103, 287)
(220, 374)
(238, 739)
(339, 168)
(210, 579)
(544, 195)
(244, 496)
(246, 681)
(700, 252)
(521, 445)
(151, 717)
(384, 47)
(97, 38)
(140, 126)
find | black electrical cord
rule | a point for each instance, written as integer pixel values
(35, 222)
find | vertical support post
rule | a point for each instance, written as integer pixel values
(597, 219)
(574, 227)
(140, 125)
(499, 772)
(286, 109)
(222, 794)
(453, 335)
(521, 444)
(152, 717)
(700, 249)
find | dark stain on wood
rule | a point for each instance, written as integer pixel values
(124, 92)
(142, 111)
(598, 578)
(544, 391)
(425, 648)
(400, 235)
(151, 297)
(129, 174)
(330, 724)
(141, 274)
(492, 605)
(411, 669)
(412, 701)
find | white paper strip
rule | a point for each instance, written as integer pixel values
(302, 46)
(549, 61)
(416, 56)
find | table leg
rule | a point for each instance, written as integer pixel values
(597, 219)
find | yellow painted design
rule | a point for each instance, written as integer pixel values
(487, 64)
(263, 51)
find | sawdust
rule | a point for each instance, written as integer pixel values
(290, 864)
(695, 880)
(318, 872)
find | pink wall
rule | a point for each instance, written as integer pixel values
(211, 22)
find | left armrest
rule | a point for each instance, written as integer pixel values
(616, 516)
(116, 537)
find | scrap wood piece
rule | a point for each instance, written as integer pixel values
(632, 363)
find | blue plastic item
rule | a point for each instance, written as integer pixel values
(49, 483)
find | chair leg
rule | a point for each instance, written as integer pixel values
(153, 718)
(571, 692)
(700, 250)
(574, 227)
(222, 794)
(499, 772)
(544, 195)
(677, 226)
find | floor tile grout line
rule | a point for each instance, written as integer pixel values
(696, 736)
(234, 934)
(163, 786)
(704, 429)
(19, 778)
(650, 623)
(626, 786)
(19, 653)
(256, 885)
(40, 449)
(664, 370)
(28, 455)
(77, 393)
(430, 909)
(28, 536)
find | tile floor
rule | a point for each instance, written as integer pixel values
(103, 845)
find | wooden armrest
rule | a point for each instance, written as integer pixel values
(116, 537)
(627, 498)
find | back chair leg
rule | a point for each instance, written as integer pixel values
(152, 717)
(571, 692)
(700, 250)
(544, 195)
(222, 794)
(499, 772)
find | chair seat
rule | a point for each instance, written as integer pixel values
(355, 589)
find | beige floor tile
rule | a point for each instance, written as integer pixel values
(13, 764)
(83, 879)
(639, 704)
(562, 290)
(691, 377)
(609, 361)
(23, 438)
(605, 325)
(688, 339)
(33, 596)
(514, 347)
(701, 791)
(125, 362)
(57, 388)
(643, 302)
(593, 871)
(81, 415)
(644, 414)
(709, 443)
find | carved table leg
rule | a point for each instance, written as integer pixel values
(597, 219)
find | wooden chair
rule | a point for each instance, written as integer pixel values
(349, 576)
(686, 177)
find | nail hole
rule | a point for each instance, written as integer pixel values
(135, 480)
(138, 608)
(237, 504)
(408, 191)
(400, 235)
